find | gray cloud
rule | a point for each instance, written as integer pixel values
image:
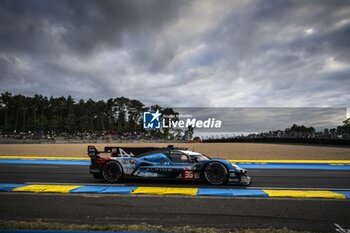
(265, 119)
(179, 53)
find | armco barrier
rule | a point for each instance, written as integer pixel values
(140, 190)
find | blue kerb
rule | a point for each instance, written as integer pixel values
(346, 193)
(9, 187)
(213, 192)
(295, 166)
(231, 192)
(89, 189)
(104, 189)
(119, 190)
(44, 161)
(314, 166)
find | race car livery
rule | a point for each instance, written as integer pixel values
(168, 162)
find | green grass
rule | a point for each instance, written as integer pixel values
(40, 225)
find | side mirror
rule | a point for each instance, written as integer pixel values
(195, 160)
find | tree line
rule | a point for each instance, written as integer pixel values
(295, 132)
(41, 114)
(38, 113)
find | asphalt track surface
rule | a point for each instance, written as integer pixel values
(261, 178)
(316, 215)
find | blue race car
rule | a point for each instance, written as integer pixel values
(168, 162)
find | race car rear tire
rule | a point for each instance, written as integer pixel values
(215, 173)
(97, 176)
(112, 171)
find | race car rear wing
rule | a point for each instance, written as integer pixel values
(93, 152)
(124, 151)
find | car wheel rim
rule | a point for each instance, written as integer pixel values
(112, 172)
(216, 173)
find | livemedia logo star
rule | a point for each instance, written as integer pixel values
(151, 120)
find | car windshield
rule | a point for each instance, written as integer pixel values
(149, 153)
(199, 157)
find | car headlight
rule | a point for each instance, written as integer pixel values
(244, 171)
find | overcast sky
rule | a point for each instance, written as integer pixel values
(179, 53)
(264, 119)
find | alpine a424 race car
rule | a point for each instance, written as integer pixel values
(168, 162)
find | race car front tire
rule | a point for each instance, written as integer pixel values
(112, 171)
(215, 173)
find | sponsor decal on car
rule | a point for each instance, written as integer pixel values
(159, 169)
(132, 161)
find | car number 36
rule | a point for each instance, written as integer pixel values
(188, 175)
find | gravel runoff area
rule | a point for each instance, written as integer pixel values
(41, 225)
(248, 151)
